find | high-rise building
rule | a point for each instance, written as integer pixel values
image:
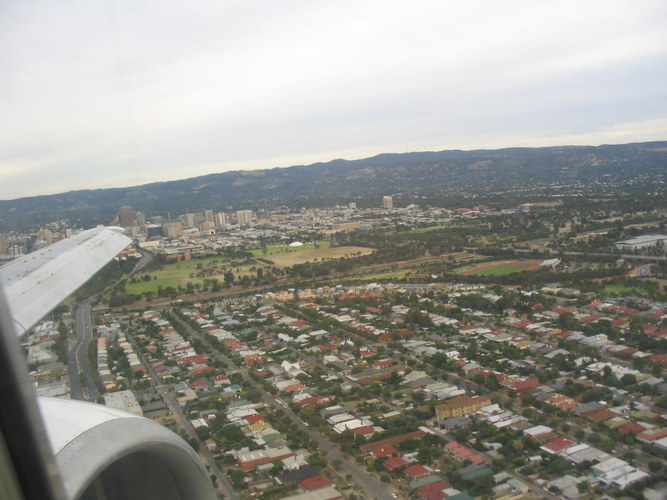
(140, 218)
(208, 214)
(153, 230)
(221, 219)
(189, 220)
(126, 216)
(3, 246)
(387, 202)
(352, 205)
(172, 229)
(243, 217)
(199, 218)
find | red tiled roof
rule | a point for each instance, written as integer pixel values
(383, 451)
(433, 491)
(526, 384)
(653, 435)
(661, 359)
(394, 463)
(201, 371)
(559, 444)
(251, 419)
(364, 430)
(416, 470)
(315, 483)
(199, 383)
(631, 427)
(197, 359)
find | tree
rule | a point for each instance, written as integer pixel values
(655, 466)
(607, 445)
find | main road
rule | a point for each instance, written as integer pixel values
(78, 357)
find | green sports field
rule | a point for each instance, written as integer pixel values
(499, 268)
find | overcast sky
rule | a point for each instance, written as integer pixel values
(119, 93)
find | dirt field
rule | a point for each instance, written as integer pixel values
(316, 255)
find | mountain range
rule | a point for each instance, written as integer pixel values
(426, 177)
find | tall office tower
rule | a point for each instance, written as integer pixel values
(172, 229)
(126, 216)
(141, 218)
(3, 246)
(208, 214)
(189, 220)
(221, 219)
(153, 230)
(387, 202)
(199, 218)
(243, 217)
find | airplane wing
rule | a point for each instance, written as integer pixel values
(53, 449)
(39, 281)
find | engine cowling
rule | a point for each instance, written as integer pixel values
(108, 454)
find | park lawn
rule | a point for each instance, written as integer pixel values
(469, 267)
(153, 285)
(502, 270)
(496, 268)
(389, 275)
(193, 263)
(317, 254)
(422, 230)
(619, 290)
(282, 249)
(184, 272)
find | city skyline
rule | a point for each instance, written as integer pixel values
(124, 95)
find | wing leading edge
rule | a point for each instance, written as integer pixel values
(38, 282)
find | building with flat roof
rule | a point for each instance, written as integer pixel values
(461, 406)
(126, 216)
(172, 229)
(243, 217)
(250, 459)
(645, 241)
(123, 400)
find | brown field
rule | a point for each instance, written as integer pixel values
(316, 255)
(556, 203)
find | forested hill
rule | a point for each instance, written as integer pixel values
(428, 177)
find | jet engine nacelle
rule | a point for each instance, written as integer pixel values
(108, 454)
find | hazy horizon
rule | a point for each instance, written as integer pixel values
(322, 162)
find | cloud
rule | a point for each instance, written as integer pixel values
(121, 92)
